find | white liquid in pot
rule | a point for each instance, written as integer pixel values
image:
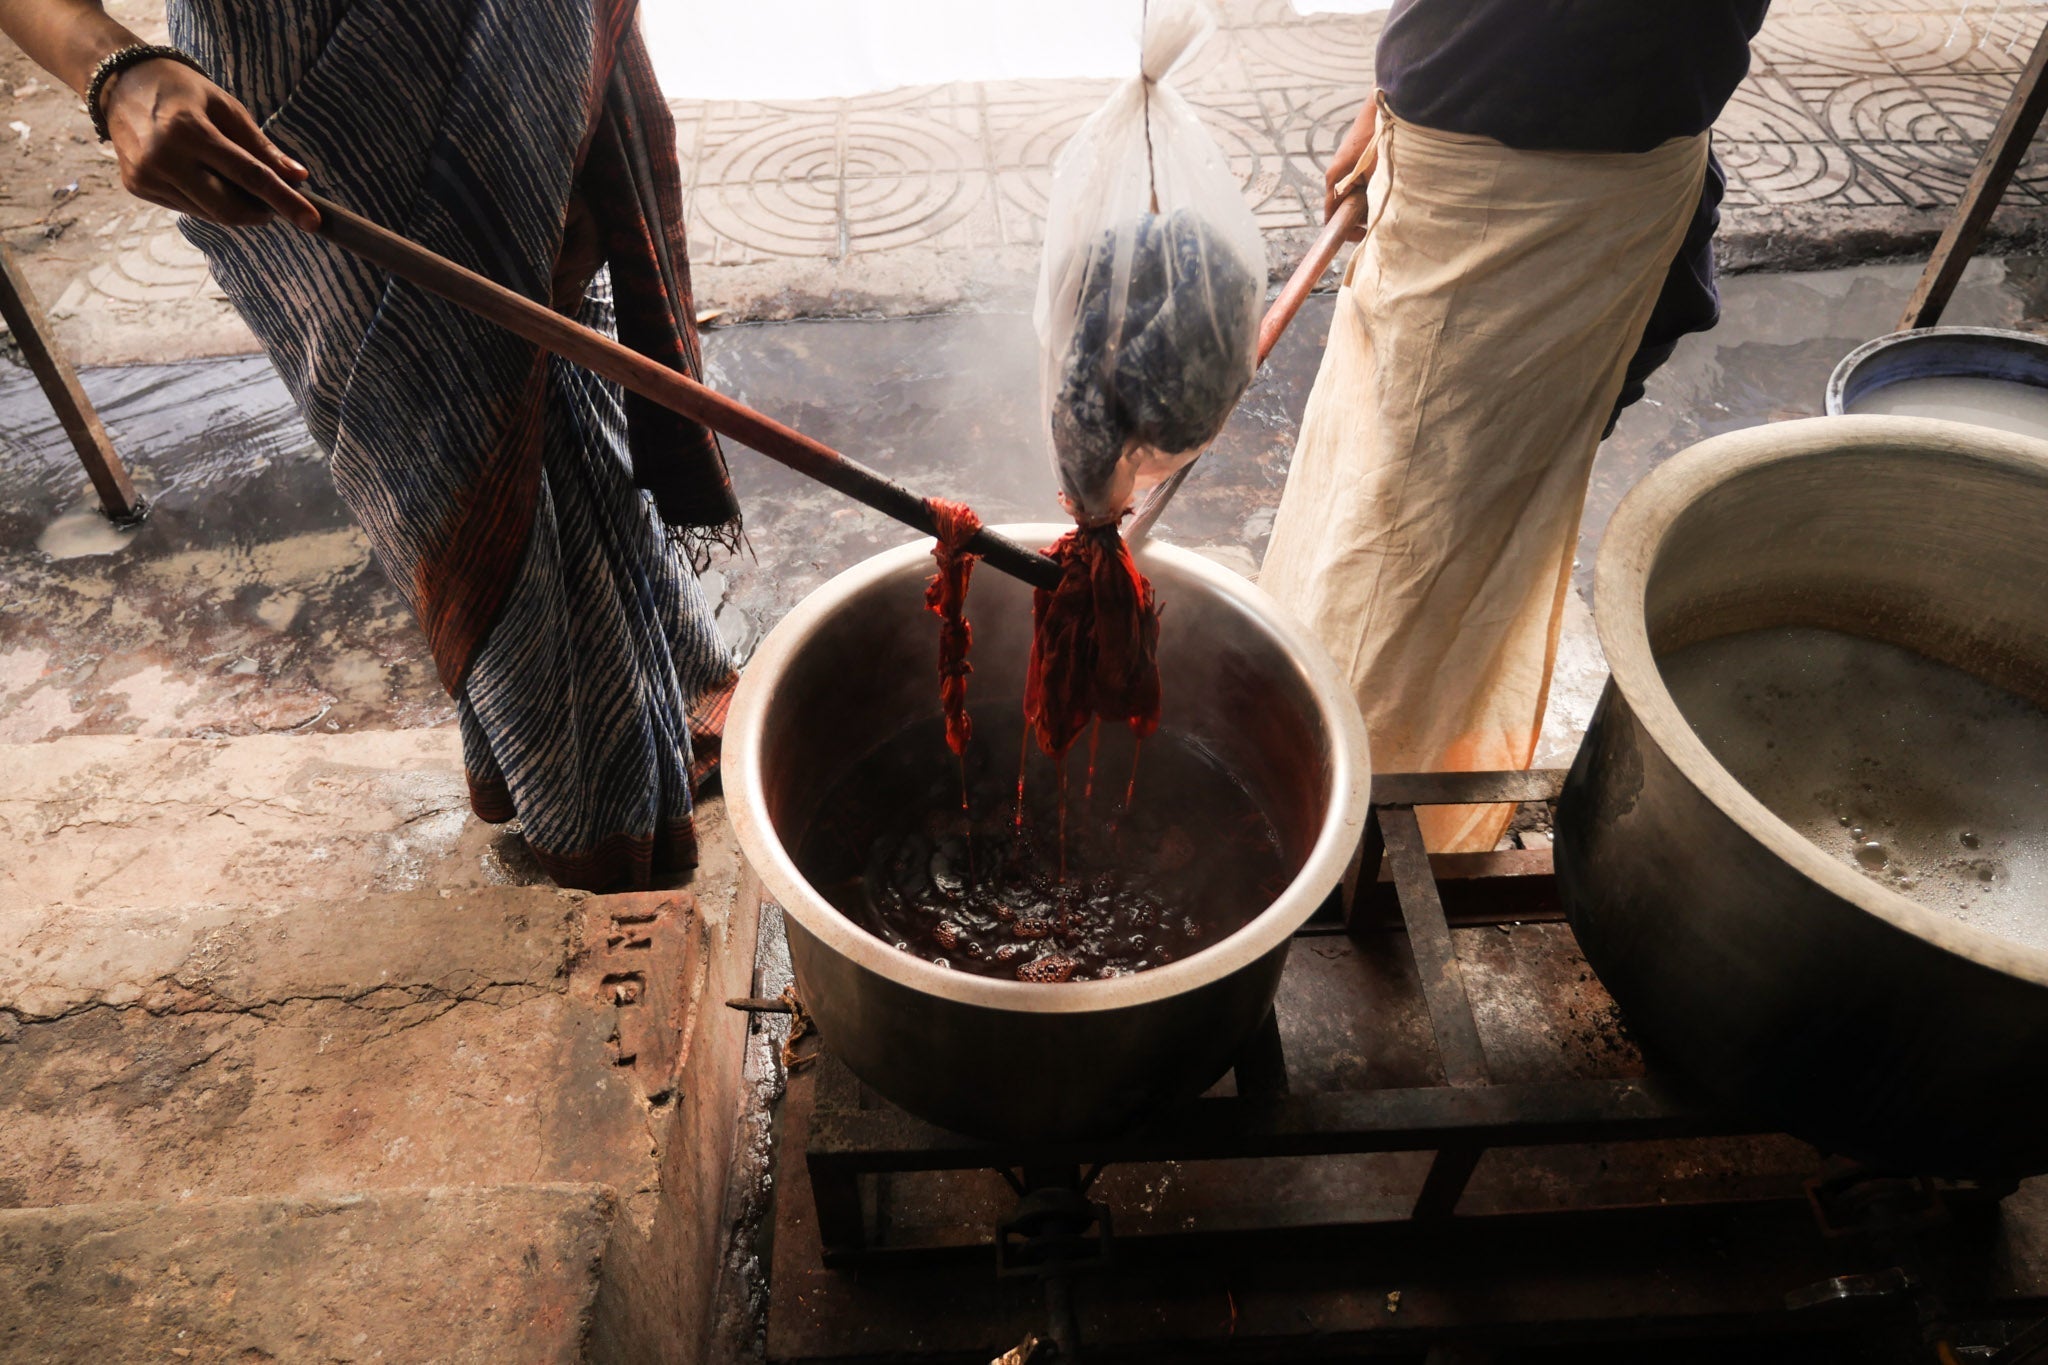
(1999, 403)
(1922, 777)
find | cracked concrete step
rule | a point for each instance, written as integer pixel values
(445, 1037)
(466, 1035)
(115, 820)
(500, 1275)
(163, 1038)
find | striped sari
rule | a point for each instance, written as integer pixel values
(538, 523)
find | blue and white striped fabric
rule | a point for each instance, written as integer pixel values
(493, 483)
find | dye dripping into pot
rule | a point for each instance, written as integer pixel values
(1031, 882)
(983, 890)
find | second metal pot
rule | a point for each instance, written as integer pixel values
(1743, 956)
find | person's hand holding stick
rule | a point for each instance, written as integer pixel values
(182, 141)
(1344, 162)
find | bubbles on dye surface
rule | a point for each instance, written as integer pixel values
(1922, 777)
(1104, 892)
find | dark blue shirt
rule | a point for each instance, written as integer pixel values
(1566, 75)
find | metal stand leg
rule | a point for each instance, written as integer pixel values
(835, 1184)
(60, 385)
(1262, 1070)
(1449, 1172)
(2002, 156)
(1364, 872)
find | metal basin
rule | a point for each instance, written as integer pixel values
(856, 662)
(2004, 374)
(1743, 956)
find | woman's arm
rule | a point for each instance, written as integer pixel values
(183, 142)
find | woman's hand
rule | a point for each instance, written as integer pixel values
(183, 142)
(1345, 160)
(187, 144)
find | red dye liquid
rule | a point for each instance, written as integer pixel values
(985, 895)
(1188, 865)
(1094, 748)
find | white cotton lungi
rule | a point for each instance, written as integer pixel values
(1428, 525)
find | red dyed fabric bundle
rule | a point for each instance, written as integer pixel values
(1094, 642)
(946, 595)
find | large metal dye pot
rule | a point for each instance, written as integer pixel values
(1742, 955)
(857, 661)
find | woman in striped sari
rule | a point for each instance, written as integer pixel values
(542, 527)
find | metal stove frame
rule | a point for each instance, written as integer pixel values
(1056, 1231)
(1458, 1120)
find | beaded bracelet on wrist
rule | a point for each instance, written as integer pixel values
(117, 61)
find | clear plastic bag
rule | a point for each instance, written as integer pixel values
(1149, 287)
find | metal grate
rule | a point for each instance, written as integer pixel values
(1459, 1120)
(1630, 1269)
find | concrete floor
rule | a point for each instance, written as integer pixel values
(236, 682)
(247, 607)
(247, 604)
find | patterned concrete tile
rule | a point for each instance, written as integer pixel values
(1949, 40)
(1941, 122)
(1826, 45)
(1910, 179)
(1021, 194)
(150, 262)
(1029, 121)
(1329, 50)
(1310, 120)
(1853, 106)
(1768, 109)
(1215, 65)
(949, 210)
(888, 142)
(1793, 173)
(1857, 104)
(751, 145)
(1239, 14)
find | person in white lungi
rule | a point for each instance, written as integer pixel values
(1542, 204)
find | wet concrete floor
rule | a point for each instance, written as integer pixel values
(248, 603)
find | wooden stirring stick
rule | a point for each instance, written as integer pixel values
(551, 331)
(1350, 213)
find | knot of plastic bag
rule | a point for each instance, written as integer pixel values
(1173, 29)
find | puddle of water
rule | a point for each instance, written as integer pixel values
(245, 602)
(1781, 336)
(251, 591)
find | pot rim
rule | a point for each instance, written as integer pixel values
(1628, 554)
(1912, 339)
(1324, 868)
